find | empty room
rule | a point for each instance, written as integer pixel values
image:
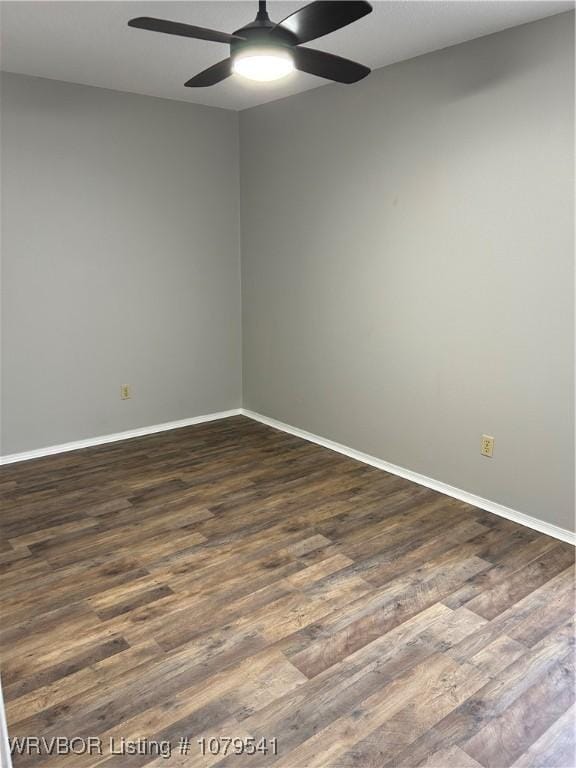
(287, 384)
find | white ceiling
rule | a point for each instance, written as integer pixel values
(89, 42)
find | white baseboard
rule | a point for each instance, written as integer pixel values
(139, 432)
(476, 501)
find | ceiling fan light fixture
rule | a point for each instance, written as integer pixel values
(263, 64)
(266, 51)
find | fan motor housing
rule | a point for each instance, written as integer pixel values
(262, 33)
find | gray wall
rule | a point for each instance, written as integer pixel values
(408, 279)
(120, 261)
(407, 263)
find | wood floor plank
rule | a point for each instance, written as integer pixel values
(505, 738)
(524, 581)
(452, 756)
(496, 697)
(228, 579)
(555, 748)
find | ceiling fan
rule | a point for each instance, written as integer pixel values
(264, 50)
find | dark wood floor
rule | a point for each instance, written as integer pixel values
(231, 580)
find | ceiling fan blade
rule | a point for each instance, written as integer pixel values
(212, 75)
(183, 30)
(329, 66)
(324, 16)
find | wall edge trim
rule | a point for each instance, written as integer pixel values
(5, 757)
(115, 437)
(563, 534)
(496, 508)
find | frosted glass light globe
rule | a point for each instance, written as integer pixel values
(264, 64)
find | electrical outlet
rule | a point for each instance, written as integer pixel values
(125, 392)
(487, 446)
